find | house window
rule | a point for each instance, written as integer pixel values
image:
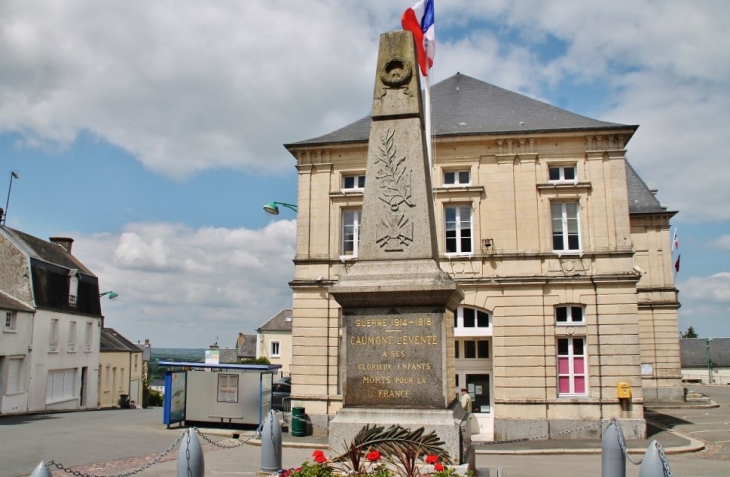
(356, 182)
(457, 178)
(571, 366)
(476, 349)
(275, 348)
(60, 385)
(350, 232)
(565, 226)
(456, 350)
(72, 336)
(9, 321)
(108, 377)
(562, 174)
(466, 317)
(73, 286)
(87, 336)
(458, 229)
(53, 335)
(15, 376)
(136, 358)
(569, 315)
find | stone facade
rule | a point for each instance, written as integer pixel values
(562, 252)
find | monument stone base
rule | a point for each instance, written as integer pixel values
(348, 423)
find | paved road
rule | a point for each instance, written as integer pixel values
(77, 438)
(87, 437)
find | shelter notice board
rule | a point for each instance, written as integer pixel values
(175, 397)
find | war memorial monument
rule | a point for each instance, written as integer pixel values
(397, 303)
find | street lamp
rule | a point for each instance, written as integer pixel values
(272, 207)
(112, 295)
(4, 214)
(709, 361)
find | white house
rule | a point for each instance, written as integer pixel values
(49, 358)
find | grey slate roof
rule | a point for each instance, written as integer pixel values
(641, 200)
(9, 302)
(282, 321)
(111, 340)
(463, 105)
(694, 352)
(44, 251)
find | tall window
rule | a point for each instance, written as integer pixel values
(72, 336)
(571, 366)
(53, 335)
(562, 174)
(9, 321)
(350, 231)
(566, 237)
(354, 182)
(456, 178)
(458, 229)
(87, 336)
(73, 287)
(275, 349)
(569, 315)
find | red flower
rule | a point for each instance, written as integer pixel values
(431, 459)
(373, 455)
(438, 467)
(319, 457)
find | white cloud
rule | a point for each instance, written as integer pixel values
(706, 304)
(185, 287)
(715, 288)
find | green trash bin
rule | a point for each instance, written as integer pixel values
(298, 426)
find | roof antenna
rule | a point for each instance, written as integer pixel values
(4, 216)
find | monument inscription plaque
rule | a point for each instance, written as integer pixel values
(395, 360)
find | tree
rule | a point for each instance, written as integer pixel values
(690, 333)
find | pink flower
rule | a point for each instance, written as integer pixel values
(373, 455)
(431, 459)
(438, 467)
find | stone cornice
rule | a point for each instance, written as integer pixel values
(659, 305)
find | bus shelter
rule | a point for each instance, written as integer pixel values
(215, 392)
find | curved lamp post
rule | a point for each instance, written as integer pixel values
(272, 208)
(112, 295)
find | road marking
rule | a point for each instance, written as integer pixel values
(710, 430)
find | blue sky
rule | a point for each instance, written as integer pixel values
(152, 132)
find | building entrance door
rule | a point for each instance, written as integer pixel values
(478, 386)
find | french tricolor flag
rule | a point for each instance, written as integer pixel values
(419, 20)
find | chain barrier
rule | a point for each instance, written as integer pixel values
(256, 433)
(544, 436)
(149, 464)
(665, 462)
(622, 444)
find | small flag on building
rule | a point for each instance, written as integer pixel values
(675, 241)
(676, 264)
(419, 20)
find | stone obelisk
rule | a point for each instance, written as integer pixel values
(397, 303)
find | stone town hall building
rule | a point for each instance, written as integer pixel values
(562, 252)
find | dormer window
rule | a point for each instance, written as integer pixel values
(73, 286)
(353, 182)
(457, 178)
(562, 174)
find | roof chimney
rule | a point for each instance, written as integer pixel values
(64, 242)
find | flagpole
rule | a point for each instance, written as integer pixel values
(428, 128)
